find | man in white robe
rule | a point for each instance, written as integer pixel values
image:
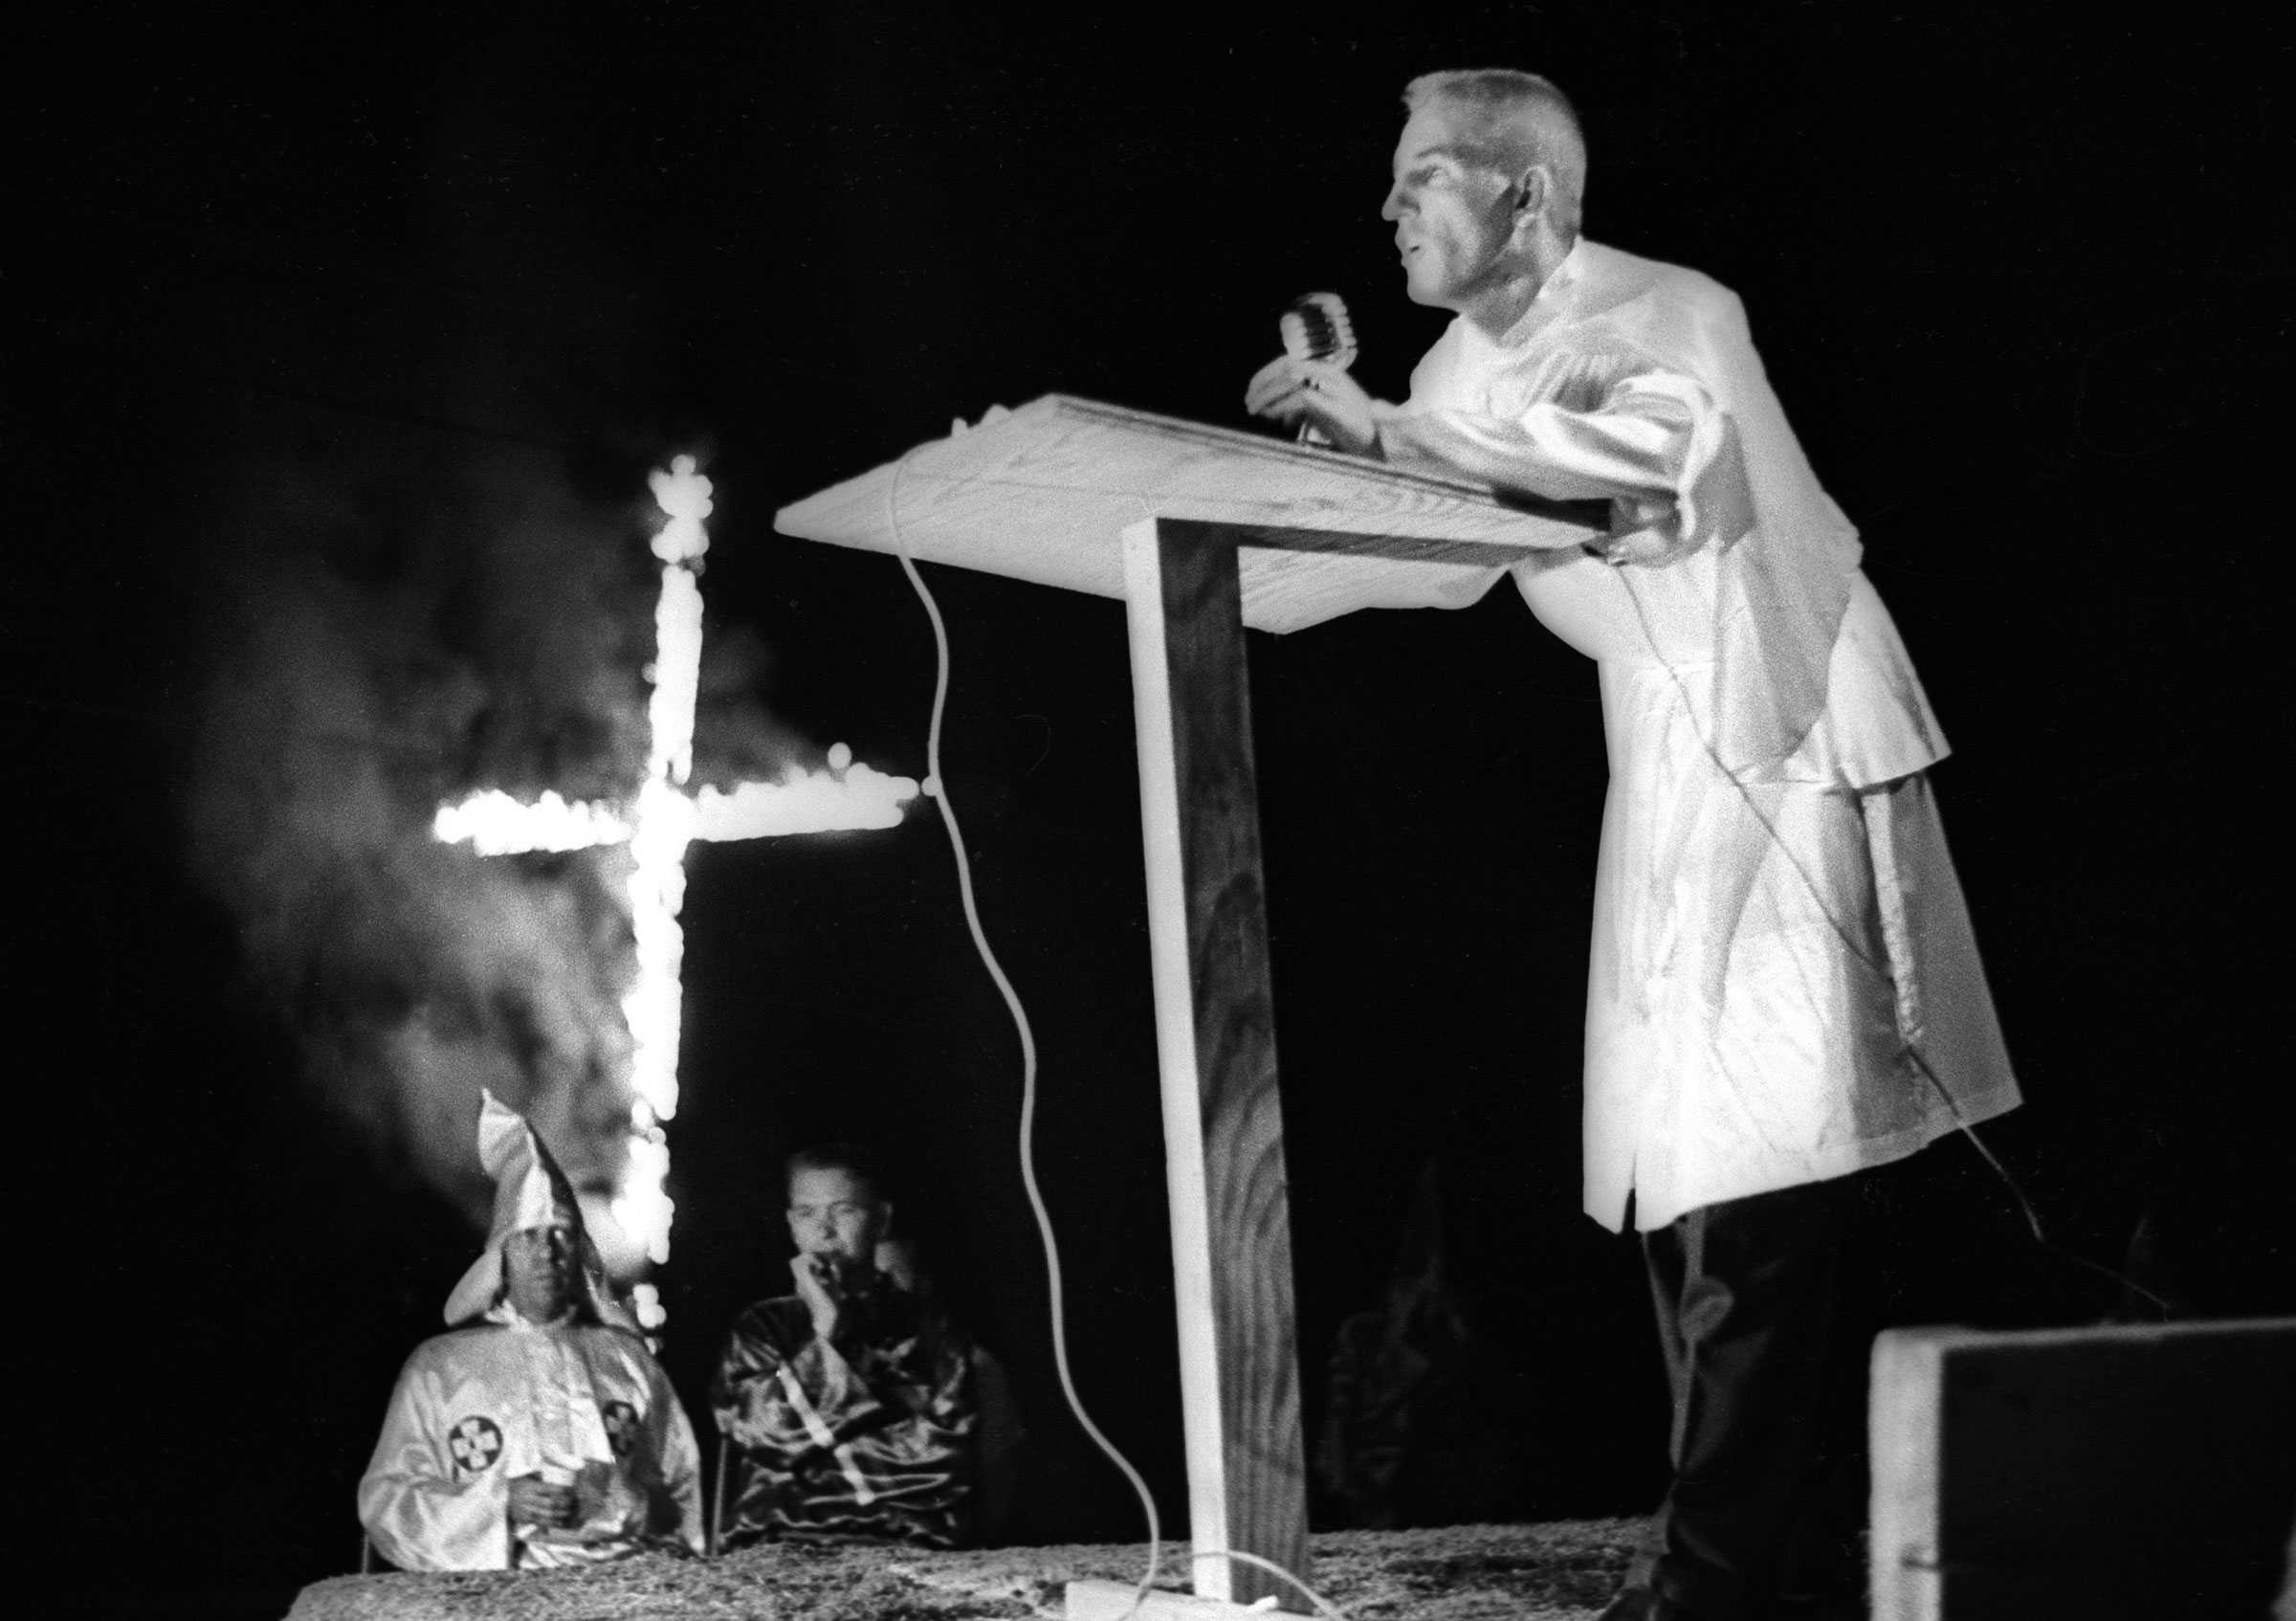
(1784, 987)
(541, 1433)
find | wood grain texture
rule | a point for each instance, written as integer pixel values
(1216, 1037)
(1042, 493)
(1247, 1192)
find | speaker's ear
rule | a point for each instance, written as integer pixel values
(1530, 189)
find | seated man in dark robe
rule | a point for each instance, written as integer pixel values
(848, 1405)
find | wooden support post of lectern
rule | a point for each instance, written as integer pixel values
(1219, 530)
(1215, 1038)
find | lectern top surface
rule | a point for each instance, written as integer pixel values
(1044, 493)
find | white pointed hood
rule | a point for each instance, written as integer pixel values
(530, 1190)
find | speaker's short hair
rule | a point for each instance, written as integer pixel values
(1515, 120)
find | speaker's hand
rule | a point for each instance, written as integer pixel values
(1292, 391)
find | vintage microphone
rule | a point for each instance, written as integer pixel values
(1317, 327)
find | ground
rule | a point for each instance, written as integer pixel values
(1562, 1571)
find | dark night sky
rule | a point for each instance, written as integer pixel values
(2022, 285)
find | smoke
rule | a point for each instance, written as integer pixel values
(399, 617)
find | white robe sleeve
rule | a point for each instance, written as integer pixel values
(419, 1512)
(1636, 444)
(1643, 444)
(1677, 425)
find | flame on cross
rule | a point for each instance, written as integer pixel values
(656, 823)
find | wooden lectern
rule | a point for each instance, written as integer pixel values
(1202, 531)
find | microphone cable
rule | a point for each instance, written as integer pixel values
(1912, 1049)
(936, 788)
(1317, 327)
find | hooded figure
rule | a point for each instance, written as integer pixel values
(530, 1192)
(540, 1433)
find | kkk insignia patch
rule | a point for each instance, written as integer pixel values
(476, 1443)
(621, 1427)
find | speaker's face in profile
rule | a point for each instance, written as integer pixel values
(836, 1216)
(1453, 224)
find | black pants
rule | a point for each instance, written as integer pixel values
(1768, 1382)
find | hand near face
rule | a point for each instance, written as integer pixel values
(536, 1502)
(1291, 391)
(815, 1276)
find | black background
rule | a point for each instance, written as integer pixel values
(2019, 275)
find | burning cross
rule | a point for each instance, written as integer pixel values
(657, 823)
